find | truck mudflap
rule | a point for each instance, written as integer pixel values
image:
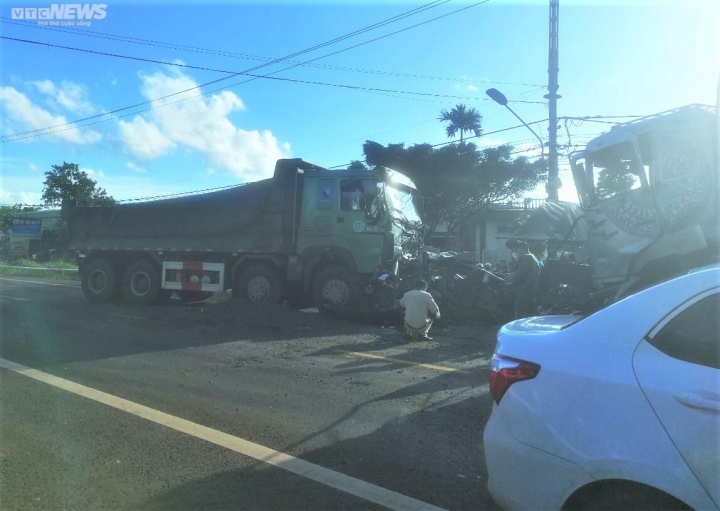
(193, 276)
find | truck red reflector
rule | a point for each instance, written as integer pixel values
(504, 371)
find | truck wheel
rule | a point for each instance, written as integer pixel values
(334, 287)
(142, 283)
(99, 281)
(260, 284)
(194, 296)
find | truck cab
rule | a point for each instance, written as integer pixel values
(357, 223)
(649, 193)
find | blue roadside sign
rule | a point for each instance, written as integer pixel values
(26, 228)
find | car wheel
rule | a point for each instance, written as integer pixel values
(626, 496)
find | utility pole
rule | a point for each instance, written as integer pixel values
(552, 96)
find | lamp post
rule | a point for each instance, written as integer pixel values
(499, 98)
(553, 182)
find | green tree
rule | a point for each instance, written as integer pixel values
(458, 180)
(461, 119)
(615, 180)
(68, 182)
(357, 165)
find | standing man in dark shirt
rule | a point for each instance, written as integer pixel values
(523, 281)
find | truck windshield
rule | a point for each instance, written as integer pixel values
(401, 205)
(616, 170)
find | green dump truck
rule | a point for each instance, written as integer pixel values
(306, 231)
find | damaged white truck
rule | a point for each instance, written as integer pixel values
(648, 210)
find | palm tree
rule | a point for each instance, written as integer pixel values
(462, 119)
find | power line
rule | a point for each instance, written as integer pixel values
(292, 80)
(519, 151)
(224, 53)
(180, 194)
(396, 18)
(335, 167)
(274, 61)
(433, 146)
(417, 10)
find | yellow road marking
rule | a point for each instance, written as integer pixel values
(434, 367)
(342, 482)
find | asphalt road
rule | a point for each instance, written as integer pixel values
(223, 405)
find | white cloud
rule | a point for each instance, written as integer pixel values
(24, 115)
(8, 197)
(135, 167)
(143, 139)
(92, 173)
(137, 185)
(490, 142)
(17, 184)
(199, 124)
(68, 95)
(33, 167)
(466, 87)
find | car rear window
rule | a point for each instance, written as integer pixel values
(694, 334)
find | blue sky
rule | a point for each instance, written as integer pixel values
(617, 58)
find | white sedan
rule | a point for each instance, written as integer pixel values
(616, 410)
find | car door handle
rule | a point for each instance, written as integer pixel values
(699, 401)
(340, 219)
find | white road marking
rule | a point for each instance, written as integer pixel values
(342, 482)
(15, 298)
(34, 282)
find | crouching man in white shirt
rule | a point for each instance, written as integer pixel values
(420, 311)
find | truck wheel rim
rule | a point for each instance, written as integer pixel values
(140, 284)
(97, 281)
(335, 292)
(258, 289)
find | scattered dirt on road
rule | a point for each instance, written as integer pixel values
(283, 321)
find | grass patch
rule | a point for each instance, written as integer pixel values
(55, 270)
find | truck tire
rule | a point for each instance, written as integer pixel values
(194, 296)
(99, 281)
(141, 284)
(260, 283)
(335, 287)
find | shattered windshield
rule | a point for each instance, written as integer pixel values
(401, 206)
(617, 170)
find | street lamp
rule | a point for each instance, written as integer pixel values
(499, 98)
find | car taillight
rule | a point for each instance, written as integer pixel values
(504, 371)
